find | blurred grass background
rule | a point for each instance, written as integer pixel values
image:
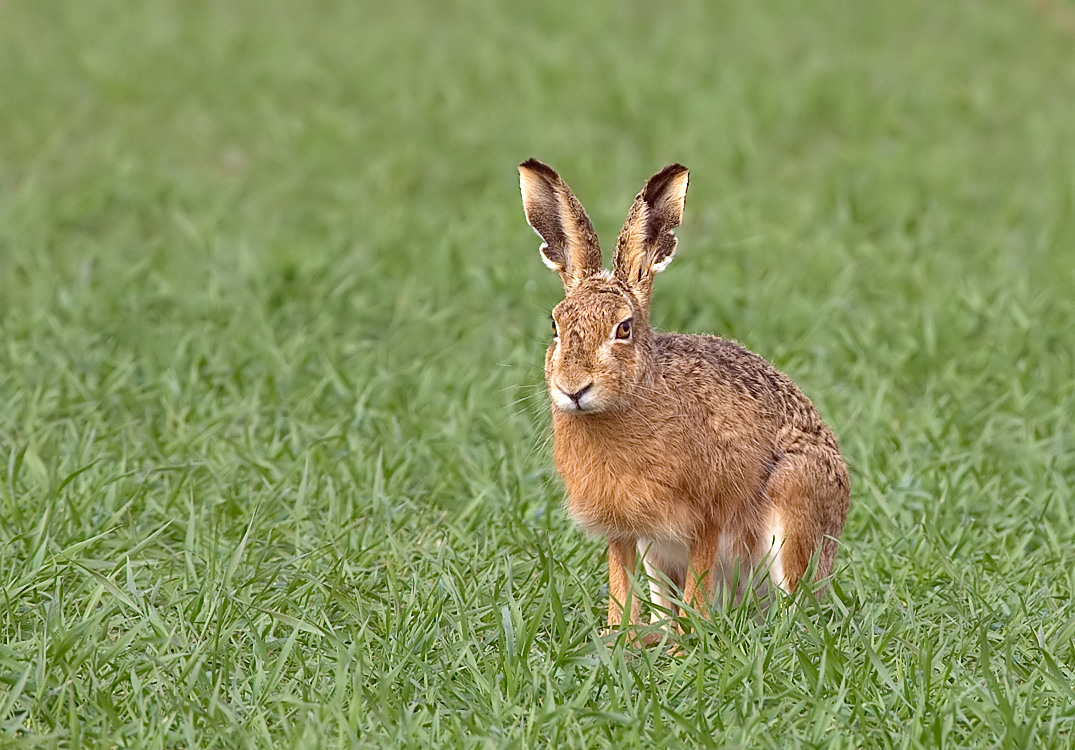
(273, 468)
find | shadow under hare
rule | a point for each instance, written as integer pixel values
(687, 450)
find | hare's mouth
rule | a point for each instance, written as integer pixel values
(575, 400)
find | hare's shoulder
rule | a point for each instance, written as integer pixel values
(723, 371)
(686, 356)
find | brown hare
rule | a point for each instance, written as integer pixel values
(689, 451)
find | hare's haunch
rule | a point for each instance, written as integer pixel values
(688, 450)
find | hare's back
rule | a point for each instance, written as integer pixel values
(727, 370)
(729, 375)
(687, 358)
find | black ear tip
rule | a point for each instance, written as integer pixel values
(672, 170)
(660, 181)
(538, 167)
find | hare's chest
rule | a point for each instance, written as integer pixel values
(614, 497)
(631, 517)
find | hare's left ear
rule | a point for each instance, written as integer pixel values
(647, 241)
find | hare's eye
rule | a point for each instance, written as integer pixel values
(623, 330)
(555, 331)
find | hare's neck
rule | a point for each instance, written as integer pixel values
(606, 431)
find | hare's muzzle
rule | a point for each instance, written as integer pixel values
(572, 399)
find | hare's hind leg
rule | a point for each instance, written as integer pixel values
(809, 493)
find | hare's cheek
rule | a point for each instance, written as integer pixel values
(552, 356)
(611, 355)
(622, 358)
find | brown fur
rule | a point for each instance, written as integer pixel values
(689, 448)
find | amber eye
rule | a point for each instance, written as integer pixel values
(623, 330)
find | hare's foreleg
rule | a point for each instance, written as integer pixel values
(621, 567)
(666, 566)
(700, 580)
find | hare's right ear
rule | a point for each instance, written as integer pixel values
(552, 210)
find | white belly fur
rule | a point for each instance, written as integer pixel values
(664, 560)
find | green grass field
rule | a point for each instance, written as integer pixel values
(274, 465)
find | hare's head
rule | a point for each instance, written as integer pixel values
(602, 351)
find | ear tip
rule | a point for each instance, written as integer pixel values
(673, 177)
(533, 165)
(675, 171)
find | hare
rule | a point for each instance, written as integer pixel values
(687, 450)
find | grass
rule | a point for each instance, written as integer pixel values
(273, 457)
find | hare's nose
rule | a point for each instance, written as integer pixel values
(577, 395)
